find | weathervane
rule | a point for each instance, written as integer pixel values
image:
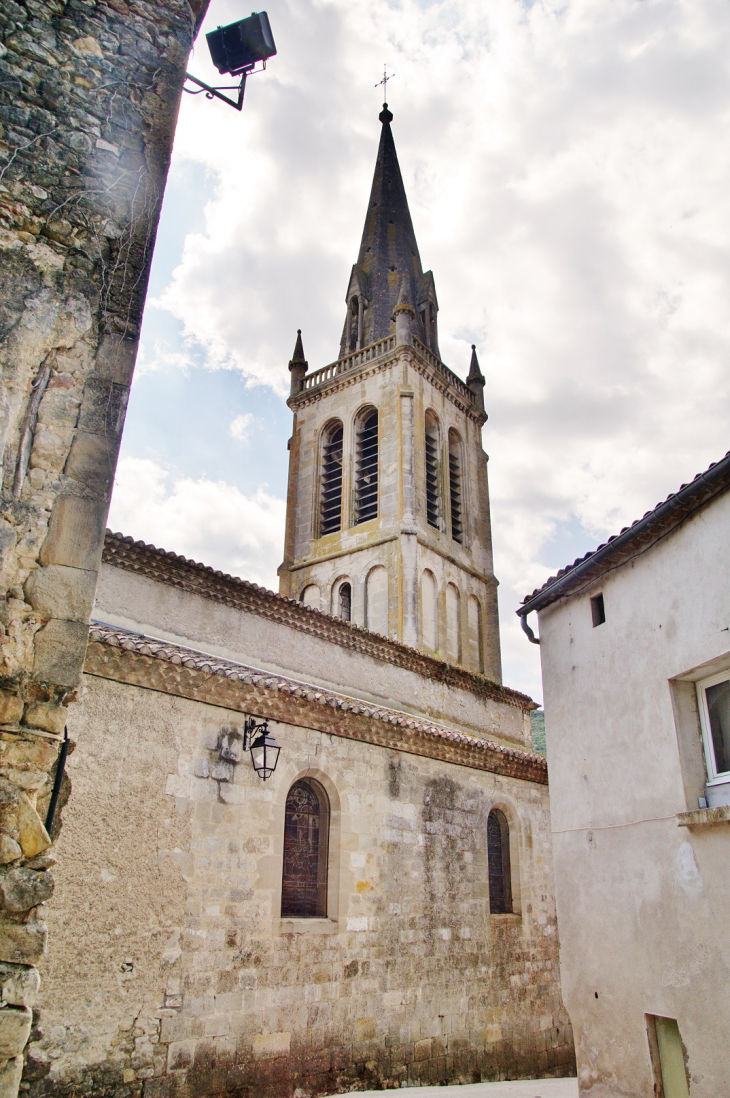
(384, 82)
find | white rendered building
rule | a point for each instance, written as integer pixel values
(635, 646)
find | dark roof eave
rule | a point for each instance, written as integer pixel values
(664, 517)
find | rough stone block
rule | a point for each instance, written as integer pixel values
(30, 752)
(22, 943)
(10, 1075)
(76, 533)
(267, 1045)
(103, 406)
(9, 850)
(115, 358)
(23, 888)
(51, 718)
(14, 1030)
(91, 464)
(60, 647)
(19, 820)
(11, 707)
(20, 984)
(60, 591)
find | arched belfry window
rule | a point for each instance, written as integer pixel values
(344, 601)
(500, 872)
(433, 509)
(366, 466)
(330, 508)
(456, 487)
(306, 847)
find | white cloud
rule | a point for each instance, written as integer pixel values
(566, 163)
(240, 426)
(205, 520)
(161, 359)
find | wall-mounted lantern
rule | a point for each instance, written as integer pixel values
(263, 747)
(235, 51)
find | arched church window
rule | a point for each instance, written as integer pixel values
(306, 848)
(366, 466)
(456, 488)
(330, 514)
(344, 601)
(500, 874)
(432, 470)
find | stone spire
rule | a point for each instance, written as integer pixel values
(298, 365)
(475, 381)
(388, 256)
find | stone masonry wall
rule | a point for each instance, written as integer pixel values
(170, 971)
(89, 94)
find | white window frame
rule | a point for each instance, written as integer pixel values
(714, 777)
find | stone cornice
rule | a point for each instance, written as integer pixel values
(141, 661)
(187, 575)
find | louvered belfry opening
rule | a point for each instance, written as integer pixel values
(366, 467)
(455, 487)
(330, 518)
(306, 844)
(500, 874)
(432, 471)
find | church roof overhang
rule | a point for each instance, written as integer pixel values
(187, 575)
(634, 539)
(143, 661)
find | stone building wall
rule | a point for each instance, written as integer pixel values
(170, 970)
(89, 94)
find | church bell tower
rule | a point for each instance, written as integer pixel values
(388, 504)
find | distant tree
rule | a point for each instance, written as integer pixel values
(537, 716)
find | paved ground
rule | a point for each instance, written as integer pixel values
(529, 1088)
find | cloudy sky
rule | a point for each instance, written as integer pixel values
(567, 167)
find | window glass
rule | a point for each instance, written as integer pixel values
(306, 840)
(718, 709)
(500, 873)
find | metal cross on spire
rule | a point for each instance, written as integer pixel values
(384, 82)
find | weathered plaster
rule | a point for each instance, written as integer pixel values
(642, 901)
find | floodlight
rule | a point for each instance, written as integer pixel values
(235, 51)
(240, 45)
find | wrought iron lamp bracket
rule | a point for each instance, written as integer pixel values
(250, 727)
(215, 92)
